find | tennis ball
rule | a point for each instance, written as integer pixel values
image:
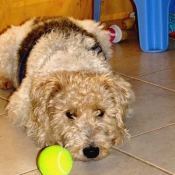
(55, 160)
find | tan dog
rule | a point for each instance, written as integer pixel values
(66, 92)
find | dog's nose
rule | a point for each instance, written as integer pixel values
(91, 152)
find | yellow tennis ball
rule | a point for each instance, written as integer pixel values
(55, 160)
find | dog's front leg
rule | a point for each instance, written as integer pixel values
(19, 104)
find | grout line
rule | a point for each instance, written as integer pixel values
(138, 76)
(156, 71)
(123, 75)
(144, 161)
(147, 82)
(146, 73)
(152, 130)
(28, 172)
(2, 98)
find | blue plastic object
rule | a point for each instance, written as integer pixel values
(97, 10)
(153, 23)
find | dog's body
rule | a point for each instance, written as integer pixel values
(66, 92)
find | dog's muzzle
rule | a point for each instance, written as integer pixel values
(91, 152)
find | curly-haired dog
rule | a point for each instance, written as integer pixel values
(66, 92)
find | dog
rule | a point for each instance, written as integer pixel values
(66, 92)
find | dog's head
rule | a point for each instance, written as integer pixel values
(81, 111)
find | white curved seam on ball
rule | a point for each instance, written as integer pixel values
(59, 165)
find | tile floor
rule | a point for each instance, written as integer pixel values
(151, 149)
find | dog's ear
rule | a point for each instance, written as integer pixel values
(122, 94)
(121, 89)
(42, 89)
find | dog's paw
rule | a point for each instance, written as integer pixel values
(5, 83)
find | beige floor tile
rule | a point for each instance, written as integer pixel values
(130, 60)
(165, 78)
(157, 147)
(17, 153)
(3, 104)
(116, 163)
(152, 109)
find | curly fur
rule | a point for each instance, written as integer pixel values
(69, 95)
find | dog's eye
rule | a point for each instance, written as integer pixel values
(100, 113)
(70, 114)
